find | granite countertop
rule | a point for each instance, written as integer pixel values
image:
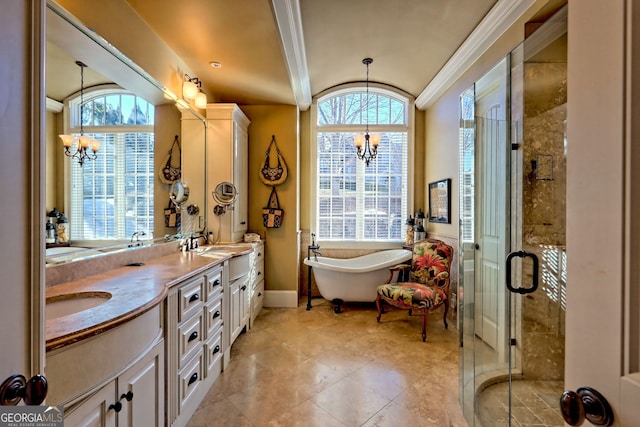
(134, 290)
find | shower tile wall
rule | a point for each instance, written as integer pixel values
(544, 219)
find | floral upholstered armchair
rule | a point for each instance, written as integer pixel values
(427, 287)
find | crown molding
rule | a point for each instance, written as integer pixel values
(499, 19)
(289, 22)
(53, 105)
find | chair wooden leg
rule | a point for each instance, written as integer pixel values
(379, 306)
(446, 310)
(424, 325)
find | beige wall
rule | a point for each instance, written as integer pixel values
(419, 171)
(167, 125)
(54, 179)
(281, 244)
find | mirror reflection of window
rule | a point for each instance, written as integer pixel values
(112, 196)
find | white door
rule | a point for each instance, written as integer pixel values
(491, 141)
(21, 263)
(603, 202)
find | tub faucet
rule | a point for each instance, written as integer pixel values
(315, 248)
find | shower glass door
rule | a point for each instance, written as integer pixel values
(513, 217)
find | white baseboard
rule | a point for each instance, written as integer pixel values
(280, 298)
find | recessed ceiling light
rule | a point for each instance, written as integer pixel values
(215, 64)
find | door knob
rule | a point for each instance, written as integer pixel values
(16, 387)
(585, 403)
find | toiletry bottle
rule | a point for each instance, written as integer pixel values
(408, 240)
(63, 229)
(50, 236)
(419, 233)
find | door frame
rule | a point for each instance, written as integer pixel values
(602, 325)
(22, 162)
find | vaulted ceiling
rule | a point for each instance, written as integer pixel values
(286, 51)
(409, 41)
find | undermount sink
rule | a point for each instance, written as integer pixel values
(214, 251)
(64, 305)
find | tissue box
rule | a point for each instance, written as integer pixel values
(251, 237)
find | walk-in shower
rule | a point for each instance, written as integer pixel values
(512, 234)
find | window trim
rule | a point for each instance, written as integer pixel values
(71, 113)
(313, 158)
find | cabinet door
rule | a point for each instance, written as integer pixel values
(95, 411)
(235, 306)
(239, 307)
(240, 171)
(245, 302)
(141, 391)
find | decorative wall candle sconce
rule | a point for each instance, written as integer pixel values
(192, 91)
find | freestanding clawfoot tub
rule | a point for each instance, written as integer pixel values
(354, 279)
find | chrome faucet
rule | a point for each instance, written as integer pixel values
(194, 241)
(136, 235)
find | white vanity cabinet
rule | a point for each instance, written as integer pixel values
(134, 398)
(116, 378)
(228, 161)
(256, 280)
(195, 348)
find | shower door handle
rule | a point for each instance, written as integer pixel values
(534, 285)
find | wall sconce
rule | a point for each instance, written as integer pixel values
(192, 90)
(366, 144)
(78, 147)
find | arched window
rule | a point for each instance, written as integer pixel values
(354, 202)
(112, 196)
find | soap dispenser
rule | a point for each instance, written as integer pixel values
(51, 234)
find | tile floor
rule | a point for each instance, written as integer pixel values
(535, 403)
(317, 368)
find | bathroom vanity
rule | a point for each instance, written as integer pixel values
(142, 344)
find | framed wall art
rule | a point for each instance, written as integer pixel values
(440, 201)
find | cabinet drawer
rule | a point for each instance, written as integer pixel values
(189, 380)
(213, 354)
(190, 298)
(258, 252)
(189, 338)
(214, 283)
(258, 274)
(213, 314)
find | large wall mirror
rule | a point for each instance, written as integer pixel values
(117, 200)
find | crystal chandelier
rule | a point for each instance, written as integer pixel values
(78, 147)
(366, 144)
